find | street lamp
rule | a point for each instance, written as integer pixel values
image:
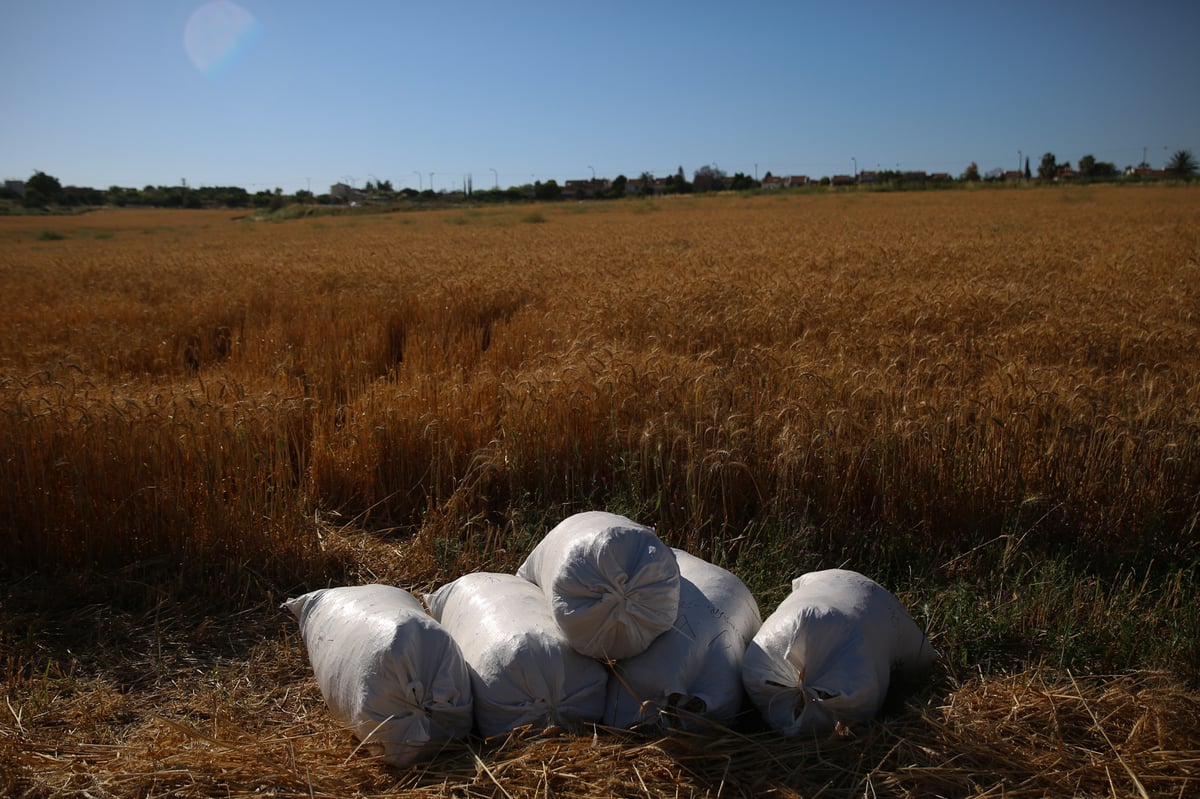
(593, 172)
(855, 160)
(497, 176)
(431, 181)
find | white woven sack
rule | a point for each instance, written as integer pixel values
(693, 672)
(612, 585)
(523, 671)
(827, 654)
(387, 670)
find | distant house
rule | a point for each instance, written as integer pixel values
(636, 187)
(584, 189)
(795, 181)
(17, 187)
(940, 176)
(841, 180)
(866, 177)
(340, 192)
(772, 182)
(1014, 175)
(1065, 173)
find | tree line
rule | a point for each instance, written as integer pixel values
(43, 190)
(1181, 165)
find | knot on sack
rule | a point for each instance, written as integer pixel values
(688, 704)
(416, 689)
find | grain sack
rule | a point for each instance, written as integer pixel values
(523, 671)
(612, 585)
(827, 654)
(692, 672)
(387, 670)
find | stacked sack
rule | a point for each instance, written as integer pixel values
(387, 670)
(828, 654)
(603, 623)
(523, 670)
(612, 585)
(692, 673)
(672, 627)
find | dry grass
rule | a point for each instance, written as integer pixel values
(232, 710)
(213, 413)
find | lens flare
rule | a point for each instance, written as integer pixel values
(216, 33)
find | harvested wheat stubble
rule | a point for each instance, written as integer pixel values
(1028, 735)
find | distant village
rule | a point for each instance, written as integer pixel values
(43, 190)
(707, 180)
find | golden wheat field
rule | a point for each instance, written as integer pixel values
(184, 384)
(773, 382)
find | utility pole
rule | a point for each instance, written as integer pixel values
(419, 184)
(497, 176)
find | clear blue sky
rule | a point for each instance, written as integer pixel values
(296, 93)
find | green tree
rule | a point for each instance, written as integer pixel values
(1048, 168)
(972, 173)
(1089, 167)
(708, 178)
(550, 190)
(677, 183)
(647, 184)
(81, 195)
(1182, 164)
(42, 189)
(617, 190)
(743, 182)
